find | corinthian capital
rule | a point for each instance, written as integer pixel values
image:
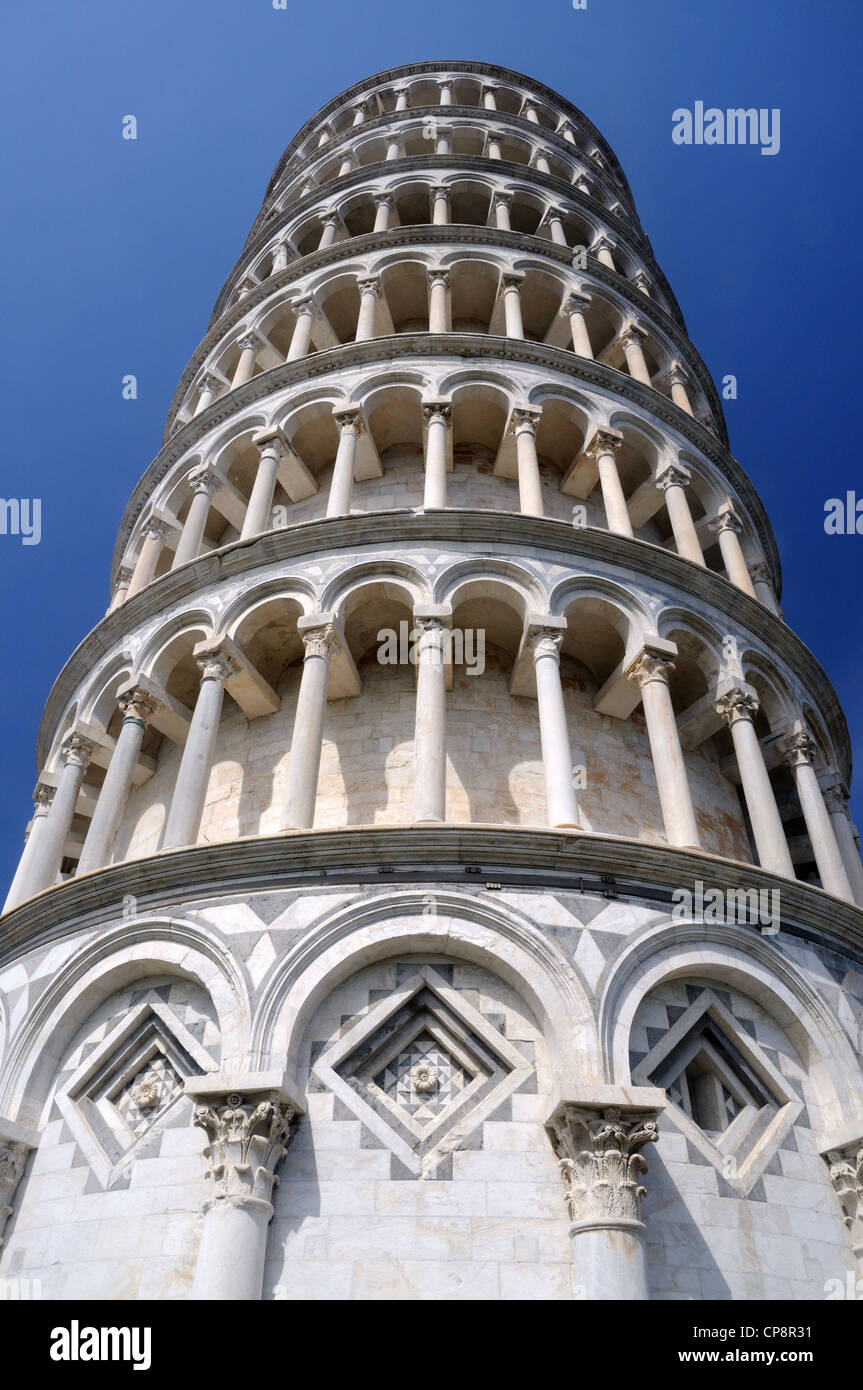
(137, 704)
(846, 1174)
(248, 1137)
(601, 1162)
(15, 1147)
(650, 666)
(320, 641)
(741, 702)
(77, 749)
(605, 441)
(798, 749)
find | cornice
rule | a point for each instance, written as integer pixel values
(638, 245)
(492, 532)
(470, 855)
(474, 68)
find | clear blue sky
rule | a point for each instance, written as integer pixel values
(113, 253)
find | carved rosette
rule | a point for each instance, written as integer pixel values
(600, 1158)
(846, 1174)
(13, 1157)
(248, 1137)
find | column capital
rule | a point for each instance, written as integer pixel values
(650, 665)
(677, 376)
(369, 284)
(672, 475)
(503, 200)
(137, 704)
(552, 211)
(349, 419)
(209, 382)
(545, 640)
(512, 279)
(43, 798)
(726, 520)
(248, 1135)
(632, 333)
(439, 190)
(16, 1145)
(488, 87)
(216, 665)
(437, 410)
(836, 798)
(525, 419)
(270, 442)
(574, 303)
(439, 277)
(641, 282)
(249, 339)
(155, 529)
(603, 243)
(600, 1154)
(304, 304)
(760, 572)
(798, 749)
(329, 218)
(321, 640)
(605, 441)
(846, 1174)
(740, 702)
(124, 576)
(77, 750)
(202, 479)
(385, 200)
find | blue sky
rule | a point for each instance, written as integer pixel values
(114, 251)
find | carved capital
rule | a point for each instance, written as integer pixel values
(525, 419)
(209, 382)
(604, 441)
(155, 530)
(799, 749)
(248, 340)
(846, 1174)
(13, 1157)
(439, 277)
(247, 1137)
(545, 641)
(436, 410)
(601, 1160)
(603, 243)
(216, 666)
(77, 750)
(349, 421)
(737, 704)
(677, 376)
(329, 219)
(501, 200)
(836, 799)
(384, 200)
(575, 303)
(675, 475)
(320, 641)
(759, 571)
(43, 799)
(726, 521)
(649, 666)
(138, 704)
(631, 336)
(203, 480)
(369, 284)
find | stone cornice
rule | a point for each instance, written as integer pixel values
(262, 233)
(491, 531)
(470, 855)
(476, 69)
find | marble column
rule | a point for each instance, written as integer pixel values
(384, 204)
(439, 321)
(501, 202)
(137, 708)
(512, 305)
(43, 865)
(42, 798)
(673, 481)
(836, 801)
(443, 143)
(436, 415)
(574, 308)
(846, 1175)
(529, 112)
(121, 588)
(561, 805)
(349, 424)
(359, 111)
(602, 250)
(440, 205)
(319, 644)
(798, 752)
(678, 381)
(631, 340)
(489, 100)
(445, 86)
(429, 798)
(541, 163)
(524, 423)
(210, 386)
(304, 311)
(494, 149)
(603, 448)
(759, 573)
(245, 368)
(394, 148)
(280, 258)
(728, 529)
(329, 230)
(258, 516)
(193, 777)
(153, 537)
(247, 1137)
(738, 708)
(370, 289)
(16, 1145)
(202, 481)
(567, 132)
(555, 226)
(401, 96)
(346, 166)
(600, 1150)
(650, 671)
(641, 282)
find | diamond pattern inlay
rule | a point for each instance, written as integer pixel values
(423, 1078)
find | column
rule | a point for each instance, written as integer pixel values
(121, 588)
(602, 1164)
(555, 226)
(43, 865)
(846, 1175)
(319, 643)
(650, 671)
(445, 85)
(209, 387)
(641, 282)
(630, 340)
(512, 305)
(439, 301)
(443, 143)
(280, 259)
(346, 166)
(678, 381)
(541, 163)
(529, 112)
(359, 110)
(436, 415)
(245, 367)
(738, 708)
(728, 529)
(836, 800)
(501, 203)
(672, 481)
(574, 308)
(759, 573)
(384, 204)
(329, 230)
(393, 147)
(583, 186)
(567, 132)
(489, 100)
(602, 250)
(524, 424)
(603, 448)
(494, 150)
(301, 338)
(190, 790)
(349, 424)
(561, 807)
(798, 752)
(202, 481)
(137, 708)
(440, 205)
(259, 511)
(323, 138)
(370, 289)
(153, 536)
(429, 803)
(16, 1146)
(401, 98)
(43, 797)
(247, 1137)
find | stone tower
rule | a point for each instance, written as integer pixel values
(442, 821)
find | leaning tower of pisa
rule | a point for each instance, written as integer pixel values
(440, 883)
